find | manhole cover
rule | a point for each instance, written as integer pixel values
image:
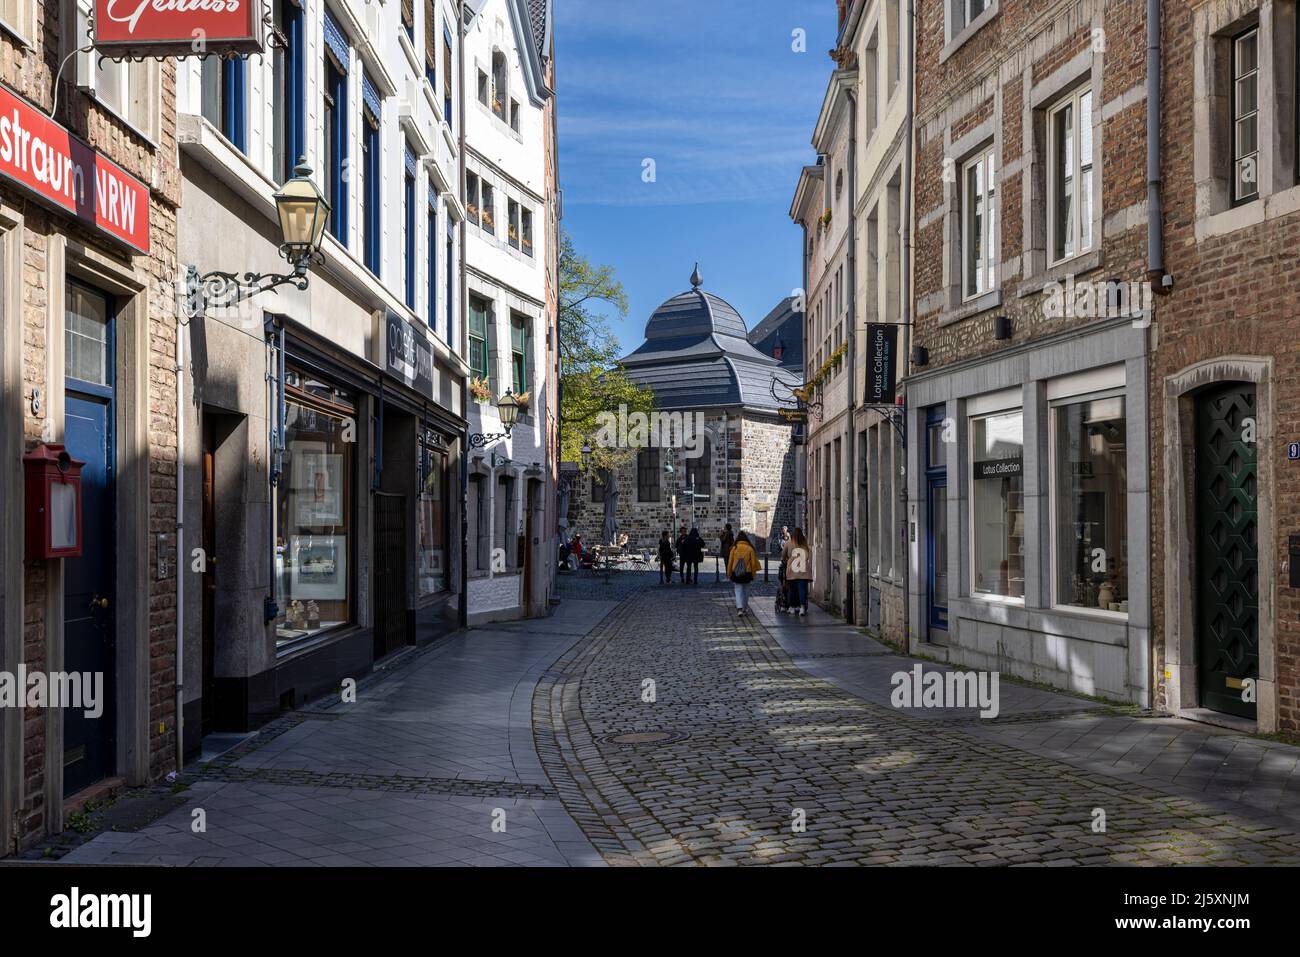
(631, 738)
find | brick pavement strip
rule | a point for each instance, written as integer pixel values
(876, 786)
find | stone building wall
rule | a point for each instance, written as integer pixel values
(39, 249)
(755, 466)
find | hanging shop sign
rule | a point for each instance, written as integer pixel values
(177, 28)
(882, 350)
(405, 353)
(45, 159)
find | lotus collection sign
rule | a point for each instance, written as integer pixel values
(177, 27)
(44, 158)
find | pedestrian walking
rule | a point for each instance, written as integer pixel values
(681, 554)
(742, 566)
(796, 556)
(694, 555)
(726, 542)
(665, 559)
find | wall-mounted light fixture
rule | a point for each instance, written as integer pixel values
(303, 211)
(920, 356)
(508, 407)
(1001, 327)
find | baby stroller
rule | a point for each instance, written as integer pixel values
(782, 591)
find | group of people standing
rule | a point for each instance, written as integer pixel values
(688, 551)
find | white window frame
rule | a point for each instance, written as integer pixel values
(1235, 79)
(21, 24)
(1053, 404)
(971, 417)
(140, 94)
(985, 268)
(1071, 102)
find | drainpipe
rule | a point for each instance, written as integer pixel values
(906, 217)
(178, 566)
(850, 593)
(801, 502)
(1155, 210)
(462, 336)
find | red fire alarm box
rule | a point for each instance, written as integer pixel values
(53, 479)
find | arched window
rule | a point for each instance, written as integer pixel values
(499, 90)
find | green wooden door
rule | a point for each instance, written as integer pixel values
(1227, 585)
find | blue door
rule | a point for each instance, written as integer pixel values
(89, 585)
(936, 523)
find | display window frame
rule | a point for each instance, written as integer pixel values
(972, 417)
(1055, 603)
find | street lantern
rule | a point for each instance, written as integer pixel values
(586, 454)
(53, 502)
(303, 213)
(508, 408)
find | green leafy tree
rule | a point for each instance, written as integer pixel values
(591, 382)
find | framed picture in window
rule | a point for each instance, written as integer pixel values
(318, 567)
(317, 485)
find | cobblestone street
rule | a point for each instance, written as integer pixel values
(756, 726)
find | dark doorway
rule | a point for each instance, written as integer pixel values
(209, 579)
(89, 583)
(1227, 586)
(391, 565)
(936, 523)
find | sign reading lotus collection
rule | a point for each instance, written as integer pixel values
(177, 27)
(48, 161)
(882, 346)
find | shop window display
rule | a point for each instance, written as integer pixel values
(1091, 504)
(431, 515)
(314, 510)
(998, 505)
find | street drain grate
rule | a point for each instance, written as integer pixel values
(631, 739)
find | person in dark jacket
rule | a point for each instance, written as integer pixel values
(665, 559)
(694, 555)
(727, 541)
(681, 555)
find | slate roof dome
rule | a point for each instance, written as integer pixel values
(697, 353)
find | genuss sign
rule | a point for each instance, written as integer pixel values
(177, 27)
(43, 157)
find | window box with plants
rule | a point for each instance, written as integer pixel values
(480, 390)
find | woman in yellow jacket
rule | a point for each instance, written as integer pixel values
(742, 566)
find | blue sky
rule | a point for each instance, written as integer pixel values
(713, 92)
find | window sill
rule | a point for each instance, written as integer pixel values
(122, 119)
(972, 307)
(1076, 266)
(303, 646)
(967, 32)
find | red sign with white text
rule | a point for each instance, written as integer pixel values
(178, 27)
(42, 156)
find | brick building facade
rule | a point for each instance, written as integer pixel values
(1029, 504)
(1223, 413)
(87, 359)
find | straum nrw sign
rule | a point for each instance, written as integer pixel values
(177, 28)
(44, 158)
